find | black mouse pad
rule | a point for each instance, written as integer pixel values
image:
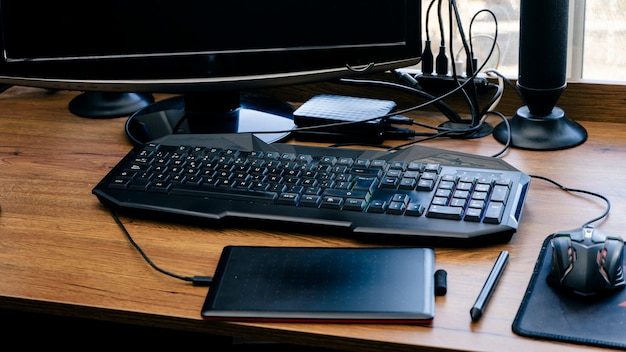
(548, 313)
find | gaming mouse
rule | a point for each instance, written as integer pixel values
(587, 261)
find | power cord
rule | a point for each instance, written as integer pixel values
(195, 280)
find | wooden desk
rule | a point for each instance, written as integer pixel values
(61, 252)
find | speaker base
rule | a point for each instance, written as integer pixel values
(548, 132)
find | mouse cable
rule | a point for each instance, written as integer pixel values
(196, 280)
(586, 224)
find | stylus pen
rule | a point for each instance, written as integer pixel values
(490, 285)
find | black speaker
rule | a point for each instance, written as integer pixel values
(540, 124)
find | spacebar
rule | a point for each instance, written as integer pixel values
(226, 193)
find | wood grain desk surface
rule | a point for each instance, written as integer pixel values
(61, 252)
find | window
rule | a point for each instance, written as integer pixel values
(597, 31)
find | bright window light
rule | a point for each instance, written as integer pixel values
(597, 31)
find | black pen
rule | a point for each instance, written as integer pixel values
(492, 280)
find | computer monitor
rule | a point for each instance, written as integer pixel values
(208, 53)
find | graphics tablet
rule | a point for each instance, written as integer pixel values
(315, 284)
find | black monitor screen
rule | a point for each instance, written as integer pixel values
(123, 28)
(158, 39)
(208, 51)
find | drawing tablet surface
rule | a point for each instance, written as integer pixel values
(394, 285)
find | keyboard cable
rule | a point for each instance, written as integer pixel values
(196, 280)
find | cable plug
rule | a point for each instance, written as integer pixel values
(399, 120)
(406, 79)
(202, 280)
(398, 133)
(427, 58)
(472, 66)
(442, 62)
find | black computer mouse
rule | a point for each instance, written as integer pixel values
(587, 261)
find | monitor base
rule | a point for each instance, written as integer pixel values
(551, 132)
(108, 104)
(212, 112)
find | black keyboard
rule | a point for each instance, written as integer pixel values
(418, 194)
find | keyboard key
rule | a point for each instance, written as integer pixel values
(473, 214)
(425, 185)
(160, 187)
(120, 183)
(288, 198)
(354, 204)
(310, 201)
(331, 202)
(407, 183)
(431, 167)
(389, 182)
(494, 212)
(445, 212)
(500, 194)
(414, 209)
(401, 197)
(363, 183)
(458, 202)
(366, 171)
(377, 206)
(396, 208)
(482, 187)
(342, 193)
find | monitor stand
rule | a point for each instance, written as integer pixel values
(212, 112)
(108, 104)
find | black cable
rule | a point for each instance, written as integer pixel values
(442, 41)
(349, 144)
(508, 136)
(469, 89)
(448, 111)
(444, 108)
(196, 280)
(586, 224)
(431, 137)
(441, 61)
(495, 36)
(508, 82)
(499, 92)
(435, 100)
(443, 131)
(432, 2)
(427, 54)
(473, 100)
